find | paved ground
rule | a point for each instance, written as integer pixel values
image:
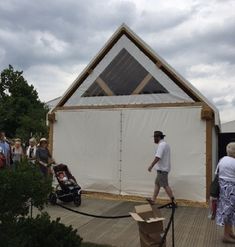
(192, 227)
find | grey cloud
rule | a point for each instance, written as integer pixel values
(156, 21)
(220, 102)
(83, 25)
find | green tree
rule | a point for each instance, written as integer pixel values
(19, 187)
(21, 111)
(17, 229)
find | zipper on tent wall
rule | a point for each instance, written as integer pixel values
(120, 152)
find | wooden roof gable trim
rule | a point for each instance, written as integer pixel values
(132, 106)
(123, 30)
(93, 64)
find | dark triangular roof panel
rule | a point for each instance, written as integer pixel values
(94, 90)
(153, 87)
(125, 76)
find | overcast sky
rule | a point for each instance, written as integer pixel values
(52, 41)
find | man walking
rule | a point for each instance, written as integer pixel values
(162, 164)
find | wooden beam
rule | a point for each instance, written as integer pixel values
(104, 86)
(207, 113)
(142, 84)
(90, 71)
(51, 132)
(209, 125)
(51, 117)
(129, 106)
(159, 64)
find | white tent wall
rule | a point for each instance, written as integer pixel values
(88, 142)
(187, 141)
(110, 150)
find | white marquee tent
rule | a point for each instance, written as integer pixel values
(228, 127)
(102, 127)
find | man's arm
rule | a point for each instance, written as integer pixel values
(153, 163)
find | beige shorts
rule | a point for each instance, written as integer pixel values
(162, 179)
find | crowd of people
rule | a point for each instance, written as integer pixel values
(12, 152)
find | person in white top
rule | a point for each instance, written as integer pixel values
(225, 213)
(162, 164)
(31, 150)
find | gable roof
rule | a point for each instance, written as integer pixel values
(228, 127)
(53, 102)
(160, 63)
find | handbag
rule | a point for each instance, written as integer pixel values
(2, 161)
(215, 189)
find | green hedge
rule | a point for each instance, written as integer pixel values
(38, 232)
(18, 187)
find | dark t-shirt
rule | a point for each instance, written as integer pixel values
(43, 154)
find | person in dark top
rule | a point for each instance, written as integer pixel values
(43, 157)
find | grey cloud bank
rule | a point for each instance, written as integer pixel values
(52, 41)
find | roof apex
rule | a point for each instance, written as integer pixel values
(123, 29)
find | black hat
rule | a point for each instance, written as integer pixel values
(158, 133)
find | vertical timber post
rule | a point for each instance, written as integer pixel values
(207, 114)
(120, 152)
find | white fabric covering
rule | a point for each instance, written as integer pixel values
(110, 150)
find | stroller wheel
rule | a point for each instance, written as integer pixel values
(77, 200)
(52, 198)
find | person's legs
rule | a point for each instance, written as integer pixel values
(229, 236)
(156, 192)
(228, 231)
(165, 185)
(169, 192)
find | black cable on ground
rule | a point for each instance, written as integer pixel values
(171, 204)
(93, 215)
(103, 216)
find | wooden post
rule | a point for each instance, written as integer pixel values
(51, 126)
(209, 124)
(207, 114)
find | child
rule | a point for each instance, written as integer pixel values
(63, 178)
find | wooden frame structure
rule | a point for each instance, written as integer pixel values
(209, 113)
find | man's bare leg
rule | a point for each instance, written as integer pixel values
(170, 194)
(169, 191)
(156, 192)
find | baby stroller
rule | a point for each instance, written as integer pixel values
(67, 189)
